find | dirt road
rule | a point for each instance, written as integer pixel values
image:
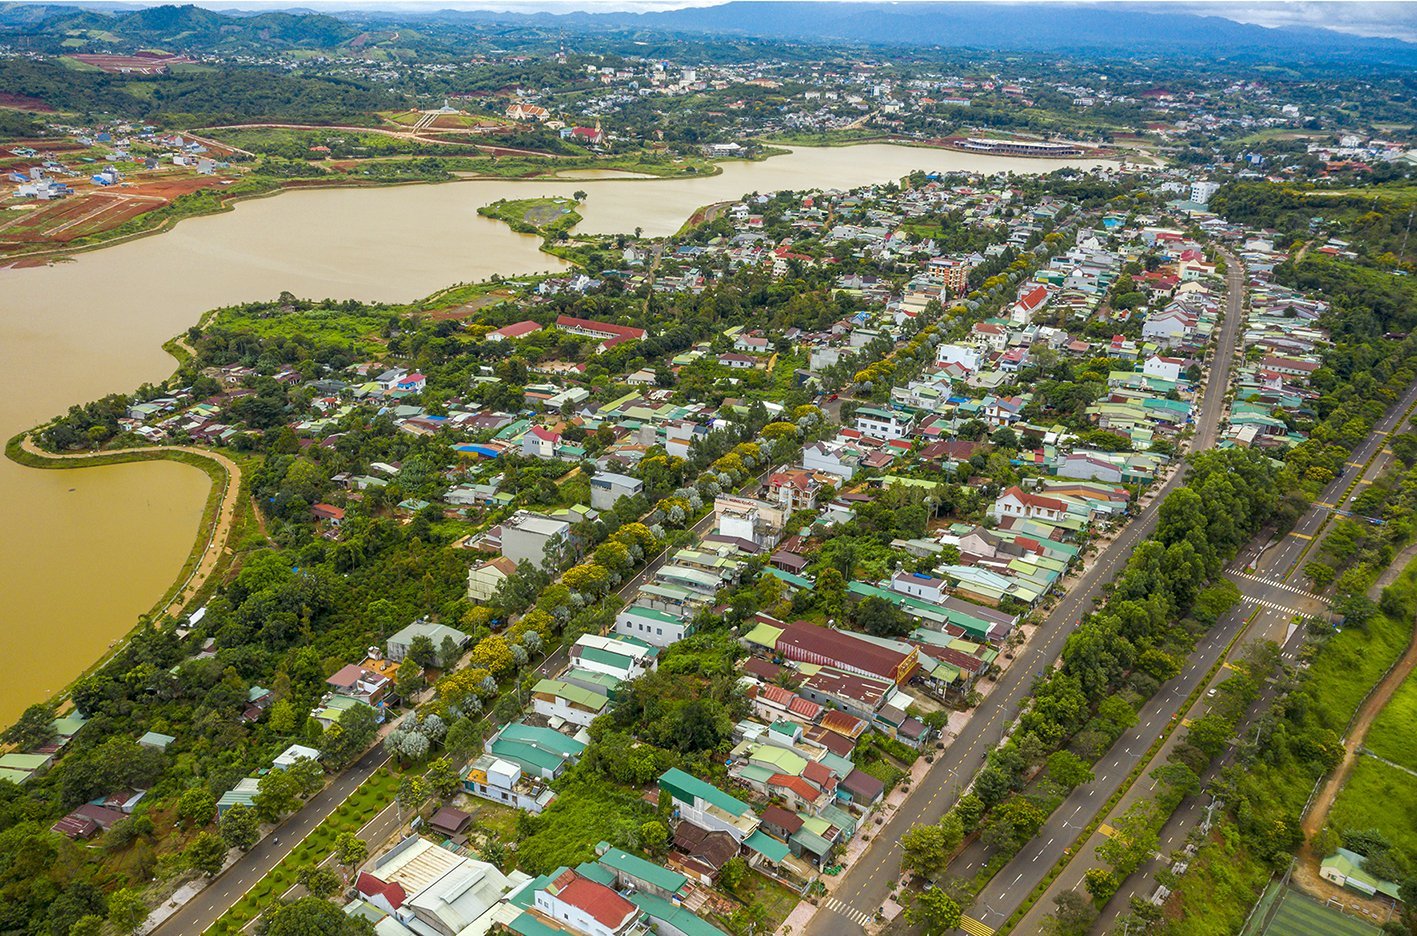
(1307, 873)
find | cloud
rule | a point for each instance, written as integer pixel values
(1382, 19)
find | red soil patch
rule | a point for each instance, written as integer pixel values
(90, 211)
(24, 102)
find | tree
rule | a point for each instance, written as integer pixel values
(195, 807)
(413, 791)
(653, 836)
(1211, 733)
(320, 881)
(348, 738)
(1012, 823)
(277, 793)
(879, 617)
(34, 727)
(410, 681)
(443, 778)
(206, 855)
(934, 912)
(422, 651)
(1101, 884)
(350, 850)
(493, 655)
(1073, 915)
(240, 827)
(90, 924)
(831, 592)
(311, 916)
(283, 719)
(449, 652)
(747, 920)
(308, 776)
(1134, 840)
(126, 910)
(928, 848)
(1068, 770)
(733, 873)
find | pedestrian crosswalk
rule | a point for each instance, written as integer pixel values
(1276, 607)
(1276, 583)
(974, 928)
(851, 913)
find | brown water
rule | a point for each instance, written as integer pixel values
(78, 566)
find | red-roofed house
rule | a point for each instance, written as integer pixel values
(515, 331)
(610, 335)
(385, 896)
(580, 904)
(989, 335)
(335, 515)
(540, 442)
(804, 642)
(1016, 502)
(797, 792)
(1028, 304)
(795, 489)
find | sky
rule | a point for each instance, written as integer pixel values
(1394, 19)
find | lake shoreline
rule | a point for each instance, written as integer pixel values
(80, 330)
(210, 553)
(552, 173)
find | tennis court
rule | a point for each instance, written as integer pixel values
(1293, 914)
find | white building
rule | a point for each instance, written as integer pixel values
(651, 625)
(1201, 191)
(607, 487)
(527, 536)
(883, 424)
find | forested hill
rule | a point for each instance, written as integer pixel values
(187, 28)
(1023, 27)
(1101, 30)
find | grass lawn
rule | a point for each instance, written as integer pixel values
(501, 821)
(544, 216)
(1224, 880)
(776, 899)
(1396, 725)
(1380, 797)
(1353, 661)
(336, 325)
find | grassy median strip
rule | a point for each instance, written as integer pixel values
(1338, 501)
(371, 798)
(1136, 772)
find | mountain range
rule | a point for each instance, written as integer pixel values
(1102, 30)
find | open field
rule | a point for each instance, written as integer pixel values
(1395, 727)
(1290, 913)
(1382, 797)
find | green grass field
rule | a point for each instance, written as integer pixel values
(360, 327)
(1396, 725)
(1298, 915)
(1378, 796)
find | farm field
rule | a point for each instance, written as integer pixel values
(25, 224)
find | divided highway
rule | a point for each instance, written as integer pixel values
(1274, 592)
(866, 884)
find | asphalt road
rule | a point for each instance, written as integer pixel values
(866, 885)
(1270, 579)
(207, 907)
(231, 885)
(1280, 565)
